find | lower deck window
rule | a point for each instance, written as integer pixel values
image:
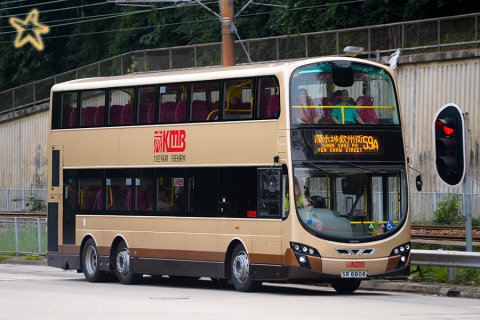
(192, 192)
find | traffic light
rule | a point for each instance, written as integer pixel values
(449, 144)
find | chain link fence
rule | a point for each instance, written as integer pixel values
(423, 36)
(23, 235)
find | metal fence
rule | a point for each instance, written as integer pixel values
(422, 36)
(23, 235)
(21, 200)
(423, 204)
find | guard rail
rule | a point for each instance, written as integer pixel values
(443, 258)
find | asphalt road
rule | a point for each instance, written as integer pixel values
(41, 292)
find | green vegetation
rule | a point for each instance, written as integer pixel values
(33, 203)
(448, 212)
(463, 276)
(33, 257)
(6, 255)
(29, 257)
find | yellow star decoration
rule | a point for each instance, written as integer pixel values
(37, 30)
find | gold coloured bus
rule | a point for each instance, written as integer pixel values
(280, 172)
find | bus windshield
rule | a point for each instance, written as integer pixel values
(342, 92)
(350, 203)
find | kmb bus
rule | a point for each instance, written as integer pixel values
(281, 172)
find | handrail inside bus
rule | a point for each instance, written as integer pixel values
(111, 197)
(331, 107)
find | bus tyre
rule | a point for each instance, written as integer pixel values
(122, 266)
(346, 286)
(241, 271)
(90, 263)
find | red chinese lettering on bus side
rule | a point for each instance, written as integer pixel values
(169, 141)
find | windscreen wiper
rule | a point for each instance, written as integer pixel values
(355, 166)
(306, 163)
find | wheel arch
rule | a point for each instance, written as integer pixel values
(87, 237)
(116, 241)
(228, 256)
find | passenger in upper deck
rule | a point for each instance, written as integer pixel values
(304, 115)
(350, 115)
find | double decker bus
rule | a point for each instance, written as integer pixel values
(281, 172)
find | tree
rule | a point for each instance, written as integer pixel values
(85, 31)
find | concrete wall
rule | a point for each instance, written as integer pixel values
(23, 148)
(426, 83)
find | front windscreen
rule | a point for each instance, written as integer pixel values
(348, 202)
(342, 92)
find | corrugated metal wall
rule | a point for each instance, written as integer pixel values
(23, 152)
(424, 88)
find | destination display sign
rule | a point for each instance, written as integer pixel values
(346, 143)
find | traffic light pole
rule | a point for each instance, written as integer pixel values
(467, 194)
(468, 214)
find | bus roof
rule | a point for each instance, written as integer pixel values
(196, 74)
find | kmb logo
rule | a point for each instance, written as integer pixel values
(355, 264)
(169, 141)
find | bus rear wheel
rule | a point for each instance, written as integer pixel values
(90, 263)
(346, 286)
(240, 271)
(122, 266)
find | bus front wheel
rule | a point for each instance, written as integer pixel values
(91, 263)
(122, 266)
(240, 271)
(346, 286)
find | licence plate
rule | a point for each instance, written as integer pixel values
(353, 274)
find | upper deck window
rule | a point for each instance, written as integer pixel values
(269, 98)
(343, 92)
(92, 108)
(239, 99)
(173, 103)
(121, 106)
(205, 101)
(253, 98)
(65, 115)
(146, 105)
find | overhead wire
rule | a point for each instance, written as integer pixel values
(31, 5)
(59, 9)
(34, 4)
(100, 17)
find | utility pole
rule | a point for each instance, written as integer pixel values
(228, 41)
(227, 19)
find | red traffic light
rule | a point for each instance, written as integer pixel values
(447, 125)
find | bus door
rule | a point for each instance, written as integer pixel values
(54, 197)
(271, 193)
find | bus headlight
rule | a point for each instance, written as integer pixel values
(402, 250)
(302, 252)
